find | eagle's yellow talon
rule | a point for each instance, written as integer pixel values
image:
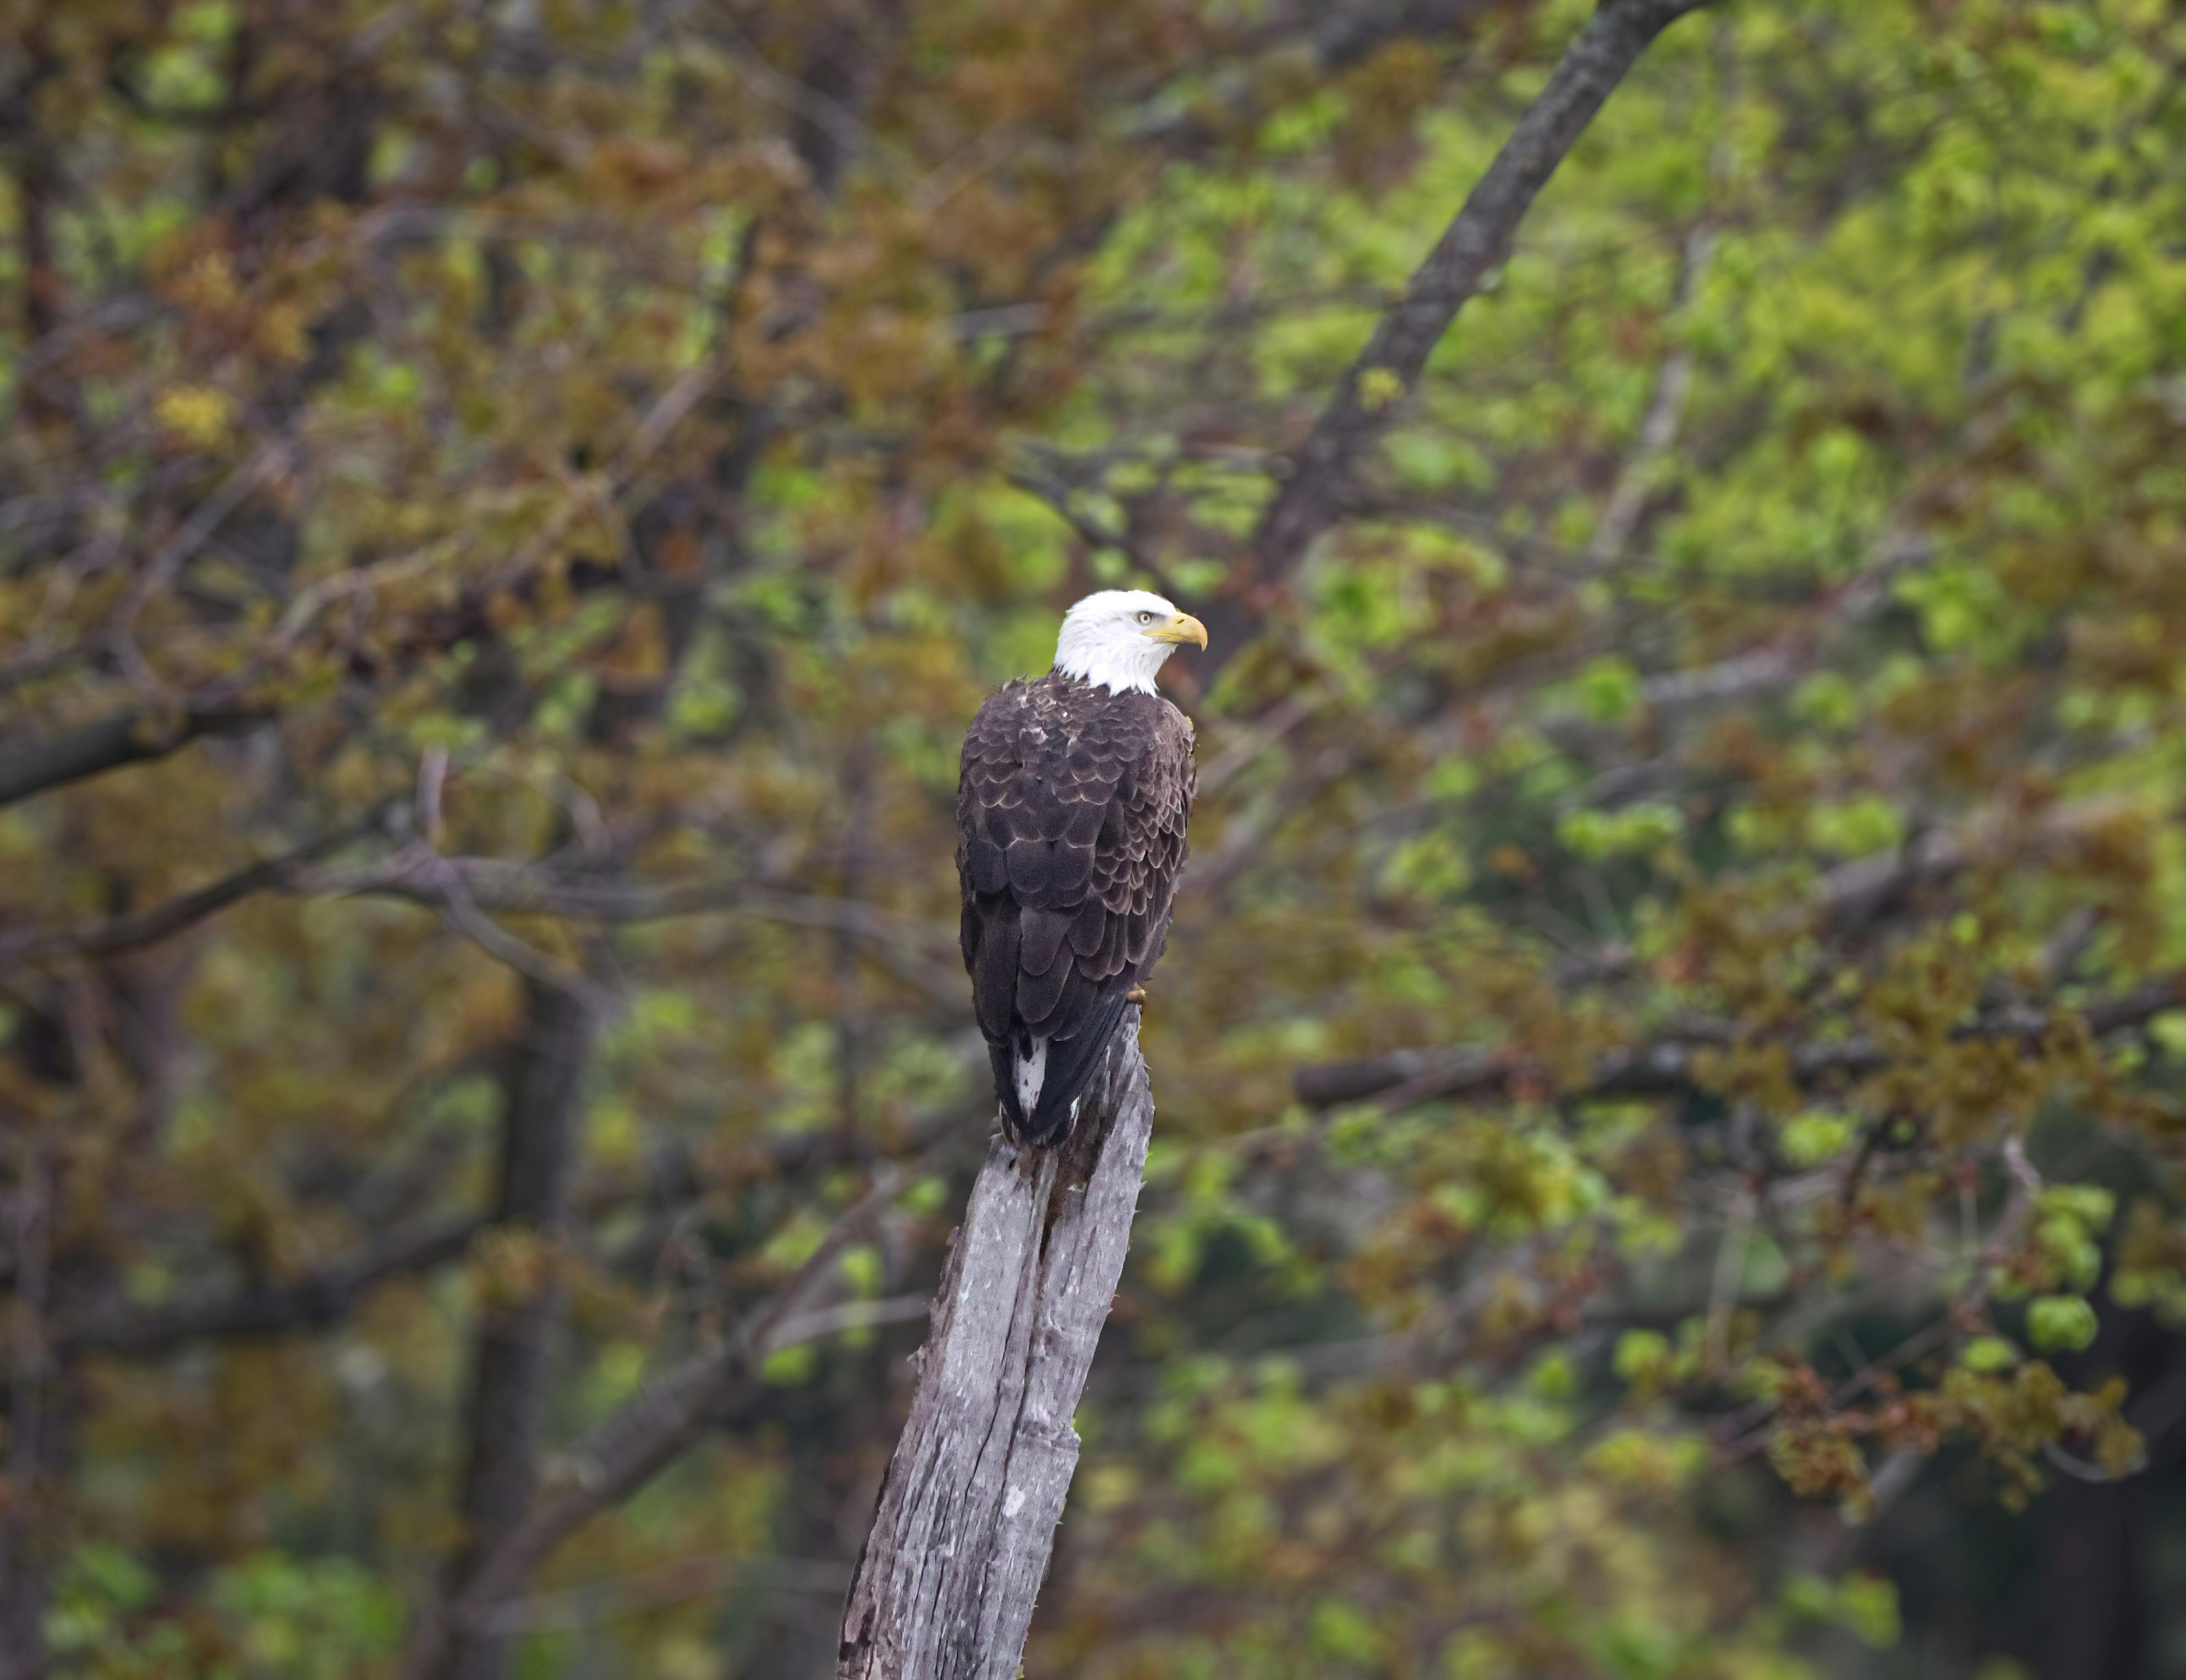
(1137, 994)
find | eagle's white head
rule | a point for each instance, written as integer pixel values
(1117, 639)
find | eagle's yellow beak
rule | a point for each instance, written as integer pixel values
(1184, 627)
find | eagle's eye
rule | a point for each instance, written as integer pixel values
(1146, 618)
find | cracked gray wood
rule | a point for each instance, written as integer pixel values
(945, 1587)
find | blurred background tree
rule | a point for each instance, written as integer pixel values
(1670, 1061)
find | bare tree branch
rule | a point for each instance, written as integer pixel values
(513, 889)
(922, 954)
(1668, 1065)
(318, 1298)
(1057, 496)
(1674, 380)
(1666, 410)
(112, 936)
(468, 888)
(192, 535)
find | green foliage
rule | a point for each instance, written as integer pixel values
(2055, 1322)
(266, 1615)
(1729, 744)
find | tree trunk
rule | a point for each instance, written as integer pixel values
(945, 1587)
(514, 1367)
(31, 1464)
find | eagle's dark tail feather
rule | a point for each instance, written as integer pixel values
(1072, 1063)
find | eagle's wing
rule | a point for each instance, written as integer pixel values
(1071, 828)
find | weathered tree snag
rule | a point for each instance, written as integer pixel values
(945, 1587)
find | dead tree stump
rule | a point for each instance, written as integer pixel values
(945, 1586)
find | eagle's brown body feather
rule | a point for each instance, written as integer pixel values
(1072, 804)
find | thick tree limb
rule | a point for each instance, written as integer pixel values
(1667, 1066)
(946, 1585)
(33, 766)
(1471, 248)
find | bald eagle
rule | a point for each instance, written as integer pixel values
(1072, 802)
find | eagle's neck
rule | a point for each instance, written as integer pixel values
(1116, 663)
